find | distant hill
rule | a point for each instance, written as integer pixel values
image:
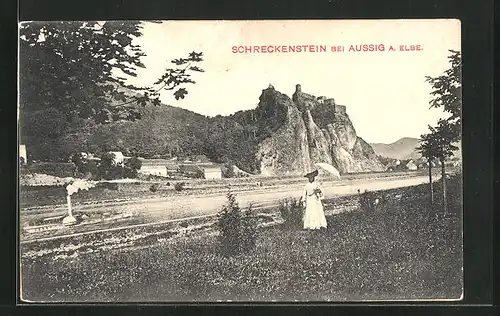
(403, 148)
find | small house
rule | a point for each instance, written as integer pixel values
(154, 170)
(200, 159)
(411, 165)
(213, 172)
(172, 170)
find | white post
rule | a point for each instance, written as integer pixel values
(69, 220)
(68, 198)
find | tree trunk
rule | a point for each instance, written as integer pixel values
(430, 182)
(443, 178)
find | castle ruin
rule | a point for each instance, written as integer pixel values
(309, 101)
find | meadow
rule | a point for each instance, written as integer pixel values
(402, 249)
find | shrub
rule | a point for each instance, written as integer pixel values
(228, 171)
(79, 162)
(129, 172)
(291, 211)
(154, 187)
(134, 163)
(107, 168)
(369, 201)
(238, 230)
(91, 169)
(179, 186)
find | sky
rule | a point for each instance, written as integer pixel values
(385, 92)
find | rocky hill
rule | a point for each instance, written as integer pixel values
(311, 130)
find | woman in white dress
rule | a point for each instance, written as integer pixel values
(314, 217)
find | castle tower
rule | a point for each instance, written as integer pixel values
(298, 88)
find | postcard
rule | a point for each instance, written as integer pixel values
(243, 161)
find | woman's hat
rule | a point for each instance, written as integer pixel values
(311, 174)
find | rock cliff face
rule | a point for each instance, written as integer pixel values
(311, 130)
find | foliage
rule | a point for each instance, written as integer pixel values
(179, 186)
(238, 230)
(72, 76)
(134, 163)
(154, 187)
(447, 92)
(370, 201)
(429, 146)
(292, 212)
(72, 66)
(249, 231)
(132, 166)
(445, 136)
(108, 169)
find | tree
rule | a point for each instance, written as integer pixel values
(444, 134)
(72, 66)
(238, 228)
(447, 93)
(79, 69)
(429, 149)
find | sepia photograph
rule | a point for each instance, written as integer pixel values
(240, 161)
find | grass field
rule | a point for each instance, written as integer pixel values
(404, 249)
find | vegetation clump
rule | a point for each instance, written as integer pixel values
(238, 229)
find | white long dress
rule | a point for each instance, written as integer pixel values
(314, 217)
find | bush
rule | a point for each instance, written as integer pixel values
(370, 201)
(291, 211)
(134, 163)
(154, 187)
(79, 162)
(238, 230)
(129, 172)
(91, 169)
(179, 186)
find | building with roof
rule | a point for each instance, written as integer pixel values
(191, 170)
(410, 165)
(212, 172)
